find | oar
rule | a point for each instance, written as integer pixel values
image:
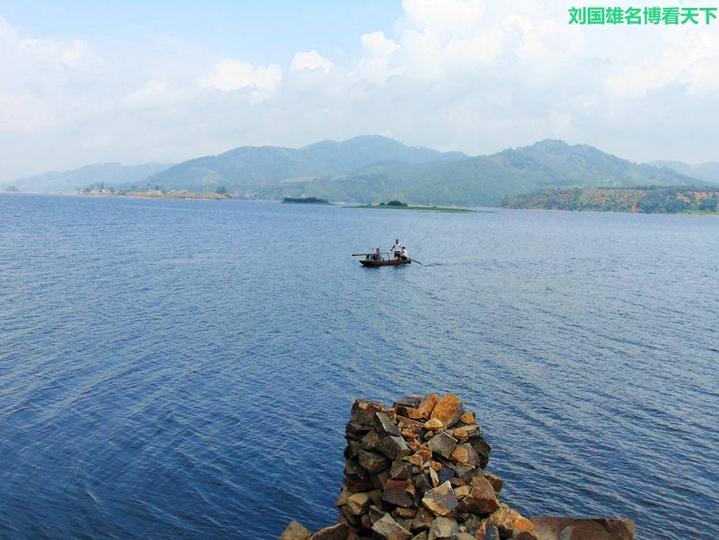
(415, 260)
(359, 254)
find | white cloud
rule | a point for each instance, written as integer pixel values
(378, 44)
(258, 82)
(310, 60)
(471, 75)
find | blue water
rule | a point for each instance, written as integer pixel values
(184, 369)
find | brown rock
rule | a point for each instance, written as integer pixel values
(510, 522)
(427, 405)
(487, 531)
(388, 529)
(393, 447)
(386, 425)
(481, 447)
(352, 466)
(408, 401)
(461, 492)
(464, 536)
(375, 514)
(358, 503)
(356, 431)
(465, 454)
(463, 433)
(372, 461)
(495, 480)
(468, 417)
(420, 536)
(357, 483)
(448, 410)
(551, 527)
(528, 536)
(363, 412)
(370, 440)
(481, 498)
(433, 424)
(400, 470)
(404, 513)
(440, 500)
(342, 499)
(295, 531)
(422, 519)
(336, 532)
(422, 483)
(443, 527)
(442, 444)
(380, 479)
(399, 493)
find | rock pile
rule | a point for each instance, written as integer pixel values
(415, 471)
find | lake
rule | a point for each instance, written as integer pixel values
(185, 369)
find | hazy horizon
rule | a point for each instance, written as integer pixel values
(129, 83)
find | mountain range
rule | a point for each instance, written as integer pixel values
(708, 172)
(111, 174)
(371, 168)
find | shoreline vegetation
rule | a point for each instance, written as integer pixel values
(100, 190)
(304, 200)
(644, 200)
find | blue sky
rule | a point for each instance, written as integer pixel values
(85, 82)
(258, 31)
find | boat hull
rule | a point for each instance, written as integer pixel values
(388, 262)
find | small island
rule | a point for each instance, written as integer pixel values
(399, 205)
(102, 190)
(305, 200)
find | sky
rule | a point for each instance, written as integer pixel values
(163, 81)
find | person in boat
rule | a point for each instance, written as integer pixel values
(404, 254)
(396, 249)
(377, 255)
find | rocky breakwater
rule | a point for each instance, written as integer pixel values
(416, 471)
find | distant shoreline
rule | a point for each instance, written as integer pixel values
(412, 207)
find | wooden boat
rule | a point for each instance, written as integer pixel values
(384, 262)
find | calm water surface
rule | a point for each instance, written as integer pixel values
(184, 369)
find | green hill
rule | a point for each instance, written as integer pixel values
(484, 180)
(708, 172)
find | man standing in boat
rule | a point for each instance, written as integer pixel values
(396, 249)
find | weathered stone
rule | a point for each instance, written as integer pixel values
(427, 405)
(445, 473)
(295, 531)
(336, 532)
(357, 483)
(352, 449)
(404, 513)
(482, 448)
(530, 536)
(481, 498)
(442, 444)
(414, 425)
(356, 431)
(400, 470)
(472, 522)
(448, 410)
(495, 480)
(380, 479)
(510, 522)
(393, 447)
(433, 477)
(346, 516)
(487, 531)
(566, 528)
(366, 521)
(461, 492)
(370, 440)
(358, 503)
(363, 412)
(422, 519)
(465, 453)
(410, 412)
(342, 499)
(464, 536)
(386, 425)
(352, 466)
(388, 529)
(376, 497)
(408, 401)
(440, 500)
(399, 493)
(468, 417)
(373, 462)
(443, 527)
(422, 483)
(463, 433)
(434, 424)
(420, 536)
(375, 513)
